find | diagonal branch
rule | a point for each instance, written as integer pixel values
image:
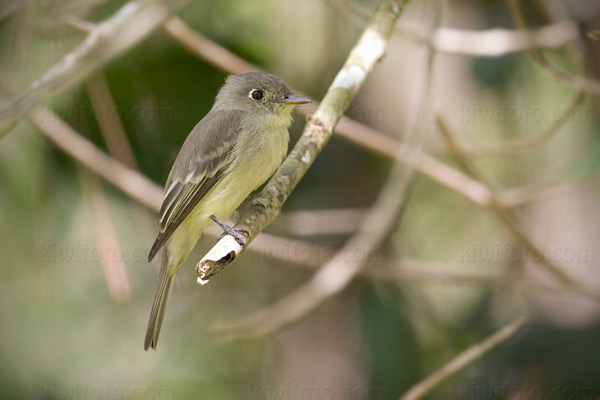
(465, 358)
(522, 195)
(333, 276)
(353, 131)
(379, 222)
(128, 26)
(494, 42)
(105, 235)
(510, 222)
(256, 214)
(132, 183)
(531, 142)
(579, 82)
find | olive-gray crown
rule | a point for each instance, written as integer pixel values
(256, 90)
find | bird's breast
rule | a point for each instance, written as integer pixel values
(259, 152)
(255, 158)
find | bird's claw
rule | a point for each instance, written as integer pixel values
(240, 235)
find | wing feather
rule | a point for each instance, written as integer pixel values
(200, 164)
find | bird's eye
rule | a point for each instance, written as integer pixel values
(257, 95)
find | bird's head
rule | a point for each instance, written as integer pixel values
(257, 92)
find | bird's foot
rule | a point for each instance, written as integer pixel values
(240, 235)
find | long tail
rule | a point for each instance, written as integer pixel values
(165, 286)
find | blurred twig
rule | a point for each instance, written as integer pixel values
(498, 42)
(259, 212)
(78, 23)
(132, 183)
(106, 238)
(129, 25)
(412, 271)
(115, 136)
(488, 43)
(107, 116)
(578, 82)
(523, 195)
(313, 256)
(334, 275)
(206, 49)
(465, 358)
(319, 222)
(594, 35)
(529, 142)
(510, 222)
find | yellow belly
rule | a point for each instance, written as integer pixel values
(254, 162)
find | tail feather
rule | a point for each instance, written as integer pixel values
(165, 286)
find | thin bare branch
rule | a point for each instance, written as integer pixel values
(314, 256)
(319, 222)
(115, 273)
(529, 142)
(420, 161)
(128, 26)
(78, 23)
(332, 277)
(523, 195)
(133, 184)
(473, 353)
(579, 82)
(511, 223)
(149, 194)
(111, 127)
(456, 150)
(413, 271)
(498, 42)
(206, 49)
(488, 43)
(116, 140)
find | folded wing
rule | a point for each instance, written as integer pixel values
(205, 155)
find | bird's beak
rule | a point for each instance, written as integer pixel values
(293, 100)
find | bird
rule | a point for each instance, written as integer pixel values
(232, 151)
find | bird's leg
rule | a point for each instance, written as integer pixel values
(238, 234)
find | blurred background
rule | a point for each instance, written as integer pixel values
(75, 286)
